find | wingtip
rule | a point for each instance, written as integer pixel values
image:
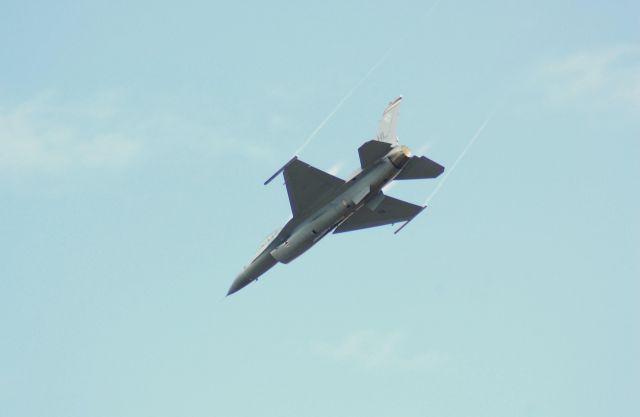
(410, 220)
(295, 157)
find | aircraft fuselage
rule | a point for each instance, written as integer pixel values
(362, 189)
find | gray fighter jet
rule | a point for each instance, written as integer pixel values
(321, 202)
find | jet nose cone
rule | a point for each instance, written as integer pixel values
(252, 271)
(236, 286)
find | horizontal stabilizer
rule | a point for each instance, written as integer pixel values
(371, 151)
(383, 210)
(420, 167)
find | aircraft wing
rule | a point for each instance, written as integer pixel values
(380, 211)
(308, 186)
(389, 122)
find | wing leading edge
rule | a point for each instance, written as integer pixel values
(380, 211)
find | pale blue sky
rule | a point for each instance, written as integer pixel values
(134, 140)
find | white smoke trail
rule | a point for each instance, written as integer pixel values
(425, 147)
(336, 168)
(457, 161)
(342, 101)
(355, 87)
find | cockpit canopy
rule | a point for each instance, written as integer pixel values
(266, 242)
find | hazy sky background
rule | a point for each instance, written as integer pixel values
(134, 140)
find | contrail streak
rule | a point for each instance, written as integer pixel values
(355, 87)
(457, 161)
(341, 102)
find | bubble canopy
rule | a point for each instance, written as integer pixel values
(266, 242)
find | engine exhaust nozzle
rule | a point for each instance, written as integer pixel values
(400, 156)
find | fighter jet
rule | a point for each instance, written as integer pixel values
(321, 202)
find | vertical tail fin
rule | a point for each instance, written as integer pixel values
(388, 123)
